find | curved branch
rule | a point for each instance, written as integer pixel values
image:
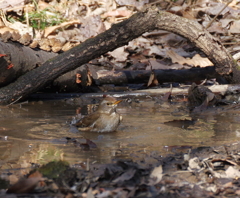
(118, 35)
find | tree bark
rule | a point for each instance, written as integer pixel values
(16, 60)
(100, 76)
(142, 76)
(118, 35)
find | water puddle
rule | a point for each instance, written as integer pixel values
(36, 132)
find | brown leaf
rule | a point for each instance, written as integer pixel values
(152, 80)
(15, 36)
(6, 36)
(89, 78)
(132, 2)
(34, 44)
(155, 64)
(26, 185)
(197, 60)
(119, 54)
(50, 30)
(156, 175)
(56, 44)
(11, 4)
(43, 5)
(67, 46)
(118, 13)
(216, 8)
(44, 44)
(234, 29)
(25, 39)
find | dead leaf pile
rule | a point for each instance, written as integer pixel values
(200, 172)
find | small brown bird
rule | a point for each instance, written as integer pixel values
(104, 119)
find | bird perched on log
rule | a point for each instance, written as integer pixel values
(104, 119)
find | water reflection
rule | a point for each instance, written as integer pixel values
(37, 132)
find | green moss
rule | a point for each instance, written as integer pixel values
(52, 170)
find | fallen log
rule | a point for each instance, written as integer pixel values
(27, 59)
(67, 82)
(17, 59)
(142, 76)
(118, 35)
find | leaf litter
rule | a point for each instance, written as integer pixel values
(204, 171)
(200, 172)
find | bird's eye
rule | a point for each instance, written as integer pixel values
(108, 103)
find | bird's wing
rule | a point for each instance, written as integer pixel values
(88, 120)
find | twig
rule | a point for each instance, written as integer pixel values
(14, 101)
(210, 23)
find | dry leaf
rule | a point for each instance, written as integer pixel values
(235, 27)
(4, 29)
(50, 30)
(67, 46)
(197, 60)
(56, 44)
(44, 44)
(11, 4)
(232, 172)
(43, 5)
(194, 163)
(132, 2)
(156, 65)
(155, 50)
(89, 78)
(215, 9)
(156, 175)
(34, 44)
(25, 39)
(152, 80)
(26, 185)
(216, 27)
(15, 36)
(119, 54)
(118, 13)
(6, 36)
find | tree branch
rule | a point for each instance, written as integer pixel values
(118, 35)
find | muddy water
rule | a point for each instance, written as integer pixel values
(36, 132)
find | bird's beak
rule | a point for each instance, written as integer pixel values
(117, 102)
